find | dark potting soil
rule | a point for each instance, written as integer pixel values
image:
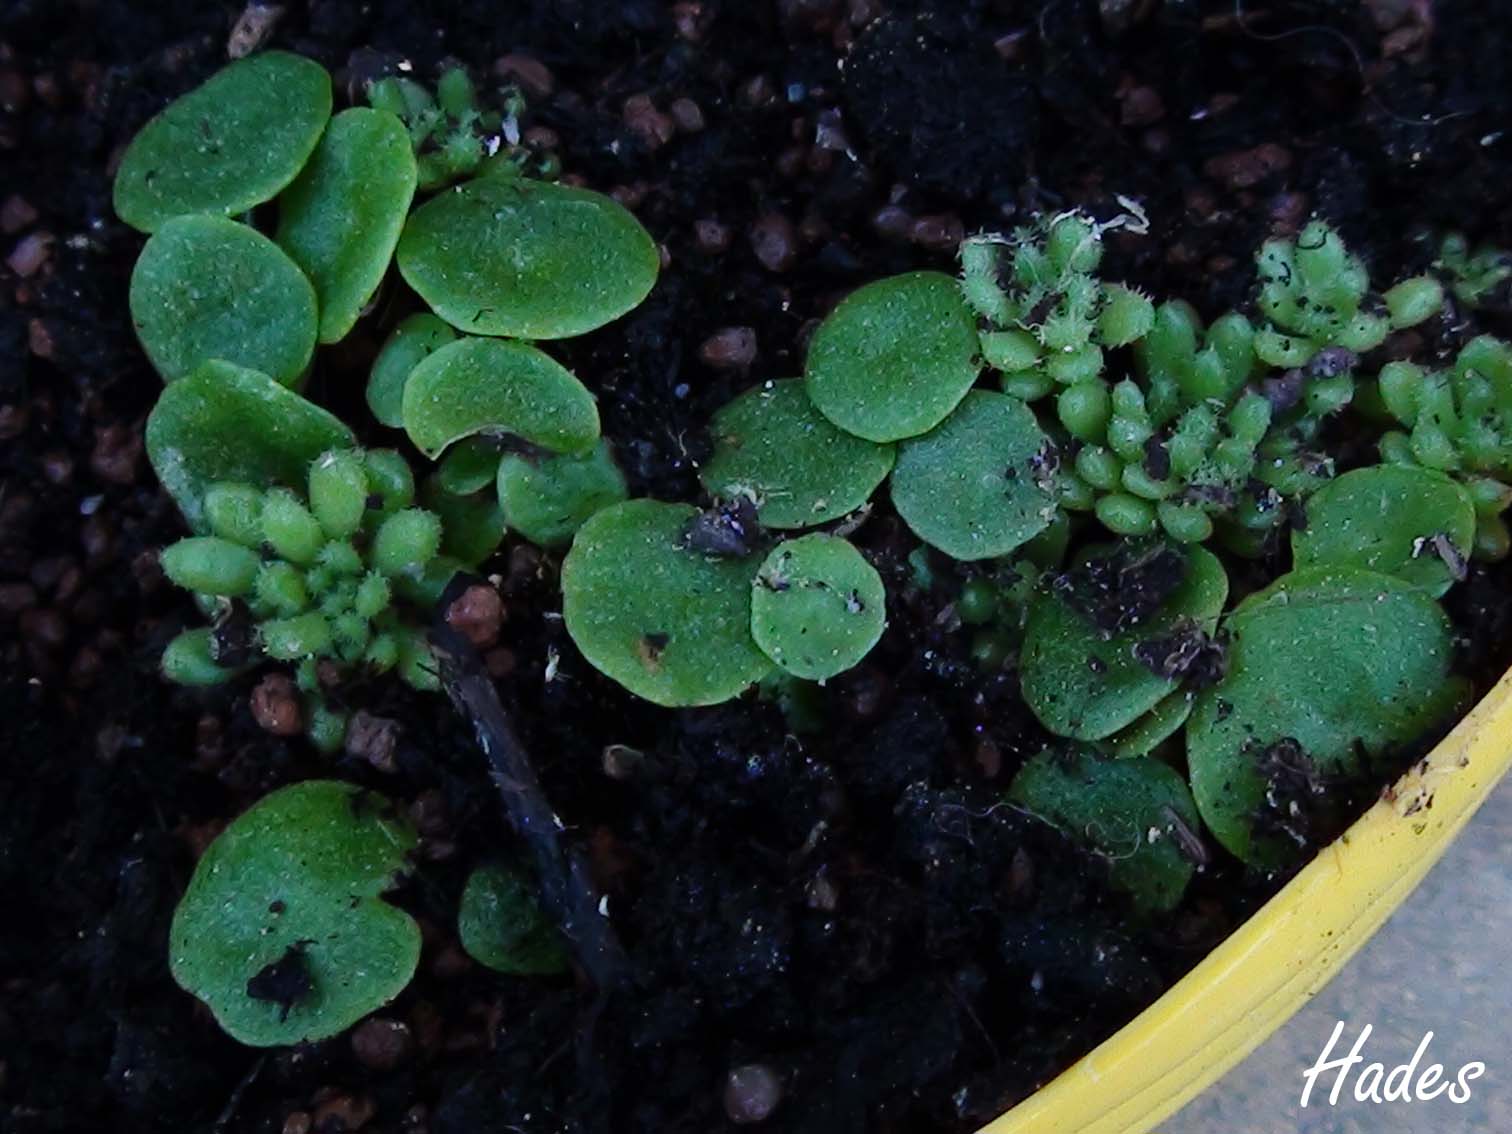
(854, 911)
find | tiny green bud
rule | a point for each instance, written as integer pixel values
(291, 528)
(1365, 332)
(1099, 467)
(1183, 522)
(1412, 301)
(234, 512)
(352, 634)
(338, 492)
(1010, 351)
(188, 660)
(390, 478)
(340, 558)
(325, 726)
(304, 635)
(1282, 350)
(1083, 364)
(1126, 316)
(1073, 245)
(1329, 395)
(1399, 385)
(210, 565)
(280, 588)
(1137, 480)
(372, 597)
(455, 92)
(1028, 385)
(977, 602)
(1249, 419)
(1431, 447)
(1126, 515)
(1084, 410)
(1073, 493)
(383, 653)
(406, 542)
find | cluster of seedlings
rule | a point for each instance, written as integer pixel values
(1095, 496)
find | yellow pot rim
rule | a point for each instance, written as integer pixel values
(1278, 959)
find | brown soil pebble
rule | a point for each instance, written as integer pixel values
(477, 614)
(275, 705)
(751, 1094)
(382, 1044)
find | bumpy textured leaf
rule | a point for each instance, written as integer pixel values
(295, 882)
(340, 220)
(1134, 813)
(1389, 518)
(207, 287)
(1085, 686)
(773, 446)
(477, 385)
(228, 423)
(501, 926)
(817, 606)
(667, 622)
(511, 256)
(895, 357)
(973, 486)
(231, 143)
(1342, 665)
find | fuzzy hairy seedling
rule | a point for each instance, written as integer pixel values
(667, 621)
(979, 485)
(495, 386)
(233, 142)
(500, 924)
(547, 499)
(340, 219)
(283, 932)
(210, 288)
(225, 423)
(1328, 670)
(817, 606)
(528, 259)
(1086, 683)
(1136, 814)
(894, 357)
(1413, 523)
(772, 446)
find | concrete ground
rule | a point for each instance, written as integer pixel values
(1443, 964)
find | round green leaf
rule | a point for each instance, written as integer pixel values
(773, 446)
(340, 220)
(504, 388)
(817, 606)
(282, 931)
(412, 340)
(1387, 519)
(207, 287)
(547, 499)
(668, 623)
(1134, 813)
(529, 259)
(895, 357)
(1086, 686)
(501, 926)
(1345, 664)
(973, 487)
(472, 525)
(1153, 729)
(227, 423)
(233, 142)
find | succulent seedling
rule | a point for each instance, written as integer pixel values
(1477, 277)
(283, 931)
(501, 926)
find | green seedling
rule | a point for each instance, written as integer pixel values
(1316, 294)
(1182, 364)
(228, 423)
(817, 606)
(1459, 421)
(510, 256)
(411, 342)
(666, 620)
(1413, 523)
(317, 575)
(1476, 277)
(1048, 317)
(548, 498)
(233, 142)
(207, 287)
(498, 387)
(1328, 669)
(283, 932)
(1135, 814)
(774, 448)
(340, 219)
(1087, 677)
(894, 358)
(979, 485)
(502, 928)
